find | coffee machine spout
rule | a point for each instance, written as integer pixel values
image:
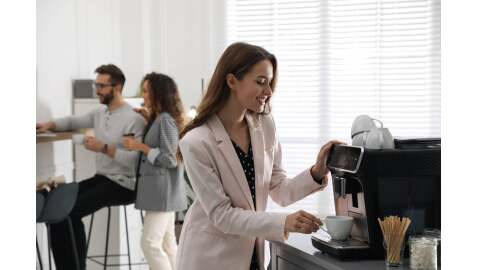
(342, 187)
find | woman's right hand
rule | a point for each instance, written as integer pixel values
(302, 222)
(143, 111)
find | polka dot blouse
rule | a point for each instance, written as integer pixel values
(247, 162)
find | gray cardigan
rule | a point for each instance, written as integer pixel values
(161, 185)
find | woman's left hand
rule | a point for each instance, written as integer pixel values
(320, 169)
(131, 144)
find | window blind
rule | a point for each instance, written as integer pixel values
(339, 59)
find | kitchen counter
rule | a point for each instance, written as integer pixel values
(298, 253)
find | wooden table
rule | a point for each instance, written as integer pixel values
(54, 136)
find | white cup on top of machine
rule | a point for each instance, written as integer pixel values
(379, 138)
(365, 133)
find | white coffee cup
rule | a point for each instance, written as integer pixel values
(379, 138)
(339, 227)
(78, 139)
(362, 123)
(360, 138)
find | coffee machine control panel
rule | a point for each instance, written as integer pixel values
(345, 158)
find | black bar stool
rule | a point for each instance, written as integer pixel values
(40, 205)
(57, 207)
(106, 254)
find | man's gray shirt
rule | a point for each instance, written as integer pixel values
(109, 127)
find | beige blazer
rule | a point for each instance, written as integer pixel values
(222, 226)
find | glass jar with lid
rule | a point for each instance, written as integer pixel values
(436, 234)
(423, 252)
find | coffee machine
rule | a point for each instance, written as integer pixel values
(372, 184)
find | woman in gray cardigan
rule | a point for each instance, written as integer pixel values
(160, 185)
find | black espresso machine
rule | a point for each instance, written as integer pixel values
(372, 184)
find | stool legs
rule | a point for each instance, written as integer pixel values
(73, 243)
(127, 236)
(106, 254)
(89, 232)
(39, 256)
(107, 238)
(48, 232)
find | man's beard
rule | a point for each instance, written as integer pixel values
(107, 98)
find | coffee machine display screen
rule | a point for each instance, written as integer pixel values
(345, 158)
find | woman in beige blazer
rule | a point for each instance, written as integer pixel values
(233, 160)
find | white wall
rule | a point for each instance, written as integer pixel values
(176, 37)
(56, 66)
(191, 43)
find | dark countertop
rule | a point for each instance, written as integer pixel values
(301, 245)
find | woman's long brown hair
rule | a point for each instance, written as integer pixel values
(238, 59)
(164, 97)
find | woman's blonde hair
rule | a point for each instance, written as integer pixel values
(238, 59)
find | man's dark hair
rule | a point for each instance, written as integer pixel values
(116, 75)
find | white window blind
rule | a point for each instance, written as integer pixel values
(341, 58)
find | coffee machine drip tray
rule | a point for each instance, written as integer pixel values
(347, 249)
